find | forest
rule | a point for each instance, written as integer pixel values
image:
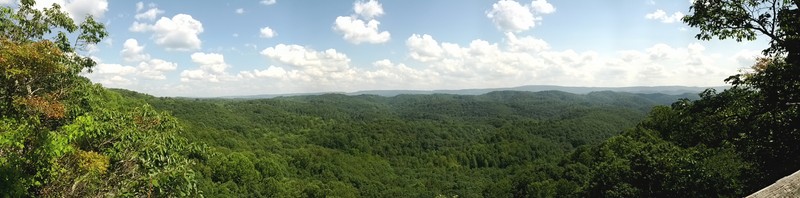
(407, 145)
(62, 135)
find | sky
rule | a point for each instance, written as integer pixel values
(204, 48)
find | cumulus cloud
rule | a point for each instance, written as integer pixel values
(306, 66)
(511, 16)
(114, 69)
(746, 58)
(268, 2)
(542, 6)
(527, 60)
(662, 16)
(212, 62)
(177, 33)
(117, 75)
(78, 10)
(155, 68)
(133, 52)
(362, 27)
(302, 57)
(434, 64)
(270, 72)
(267, 32)
(150, 14)
(423, 48)
(399, 76)
(239, 11)
(357, 31)
(211, 68)
(113, 75)
(368, 9)
(525, 44)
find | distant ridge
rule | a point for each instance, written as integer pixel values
(669, 90)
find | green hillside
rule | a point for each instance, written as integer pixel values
(407, 145)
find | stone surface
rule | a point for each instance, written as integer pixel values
(788, 186)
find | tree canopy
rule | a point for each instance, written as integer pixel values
(60, 135)
(779, 20)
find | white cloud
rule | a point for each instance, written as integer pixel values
(271, 72)
(133, 52)
(139, 6)
(526, 43)
(662, 16)
(308, 66)
(211, 68)
(139, 27)
(267, 32)
(399, 76)
(542, 6)
(368, 9)
(212, 62)
(517, 60)
(527, 60)
(365, 29)
(356, 31)
(113, 75)
(121, 75)
(150, 14)
(746, 58)
(423, 48)
(179, 33)
(148, 76)
(155, 68)
(302, 57)
(511, 16)
(115, 69)
(239, 11)
(268, 2)
(660, 51)
(78, 10)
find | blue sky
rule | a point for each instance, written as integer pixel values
(222, 48)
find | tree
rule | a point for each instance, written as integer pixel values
(743, 19)
(766, 114)
(61, 136)
(36, 69)
(760, 115)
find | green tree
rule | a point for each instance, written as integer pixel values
(61, 136)
(779, 20)
(760, 113)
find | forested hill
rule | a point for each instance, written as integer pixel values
(402, 146)
(669, 90)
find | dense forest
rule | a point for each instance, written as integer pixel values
(407, 145)
(63, 136)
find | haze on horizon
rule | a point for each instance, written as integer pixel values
(220, 48)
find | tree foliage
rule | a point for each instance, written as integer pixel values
(726, 144)
(61, 136)
(499, 144)
(746, 19)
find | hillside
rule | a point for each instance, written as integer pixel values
(406, 145)
(689, 92)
